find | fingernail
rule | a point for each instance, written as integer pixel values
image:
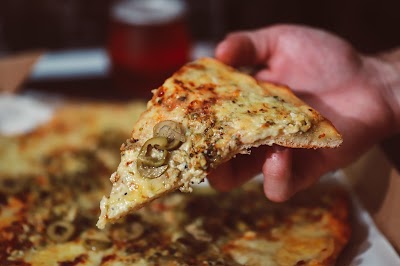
(278, 148)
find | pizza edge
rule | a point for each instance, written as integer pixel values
(322, 134)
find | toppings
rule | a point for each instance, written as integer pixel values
(96, 240)
(128, 232)
(60, 231)
(12, 186)
(152, 159)
(153, 152)
(197, 231)
(173, 131)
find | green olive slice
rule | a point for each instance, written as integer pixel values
(172, 130)
(60, 231)
(153, 152)
(151, 171)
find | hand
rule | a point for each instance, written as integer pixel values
(327, 73)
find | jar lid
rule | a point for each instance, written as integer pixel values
(148, 12)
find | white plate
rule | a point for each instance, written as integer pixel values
(367, 246)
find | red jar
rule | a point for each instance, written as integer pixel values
(148, 41)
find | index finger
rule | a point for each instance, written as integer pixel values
(246, 48)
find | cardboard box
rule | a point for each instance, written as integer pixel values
(15, 69)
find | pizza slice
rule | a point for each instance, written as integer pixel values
(202, 116)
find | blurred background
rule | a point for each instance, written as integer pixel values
(60, 25)
(56, 24)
